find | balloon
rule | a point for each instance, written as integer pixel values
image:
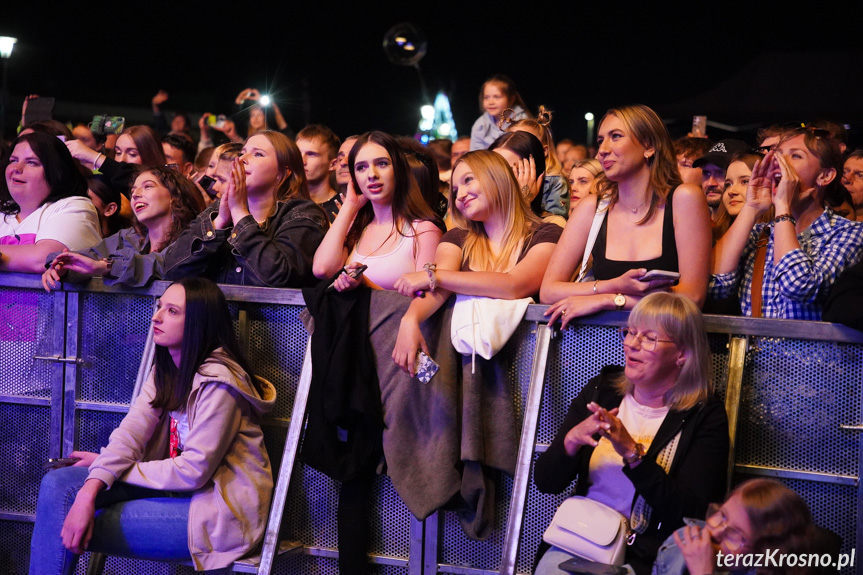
(405, 44)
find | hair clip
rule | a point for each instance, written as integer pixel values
(543, 117)
(506, 119)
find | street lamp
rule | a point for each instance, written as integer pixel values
(6, 45)
(590, 120)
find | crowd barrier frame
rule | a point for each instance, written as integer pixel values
(781, 380)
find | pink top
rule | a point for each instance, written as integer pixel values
(386, 269)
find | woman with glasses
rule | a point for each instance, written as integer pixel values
(759, 515)
(648, 439)
(785, 269)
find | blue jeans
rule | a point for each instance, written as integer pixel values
(131, 521)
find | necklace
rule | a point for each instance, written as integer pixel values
(633, 210)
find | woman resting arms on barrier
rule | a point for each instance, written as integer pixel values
(499, 250)
(648, 440)
(653, 222)
(44, 206)
(264, 229)
(164, 202)
(186, 474)
(388, 226)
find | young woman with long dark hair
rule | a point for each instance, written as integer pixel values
(186, 475)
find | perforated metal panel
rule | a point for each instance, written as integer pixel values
(15, 547)
(24, 445)
(795, 396)
(310, 515)
(93, 428)
(111, 356)
(26, 330)
(277, 344)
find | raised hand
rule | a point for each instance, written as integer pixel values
(759, 192)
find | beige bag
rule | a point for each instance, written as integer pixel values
(589, 529)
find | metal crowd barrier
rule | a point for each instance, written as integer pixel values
(69, 361)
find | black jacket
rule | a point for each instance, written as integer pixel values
(277, 255)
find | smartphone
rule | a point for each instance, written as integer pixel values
(354, 273)
(104, 125)
(659, 275)
(588, 567)
(217, 122)
(39, 110)
(699, 126)
(59, 462)
(426, 367)
(207, 182)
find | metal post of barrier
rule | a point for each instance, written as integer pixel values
(737, 347)
(521, 480)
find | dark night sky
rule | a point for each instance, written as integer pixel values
(325, 64)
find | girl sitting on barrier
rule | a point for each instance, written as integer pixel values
(649, 221)
(648, 440)
(388, 226)
(186, 475)
(500, 249)
(44, 206)
(164, 202)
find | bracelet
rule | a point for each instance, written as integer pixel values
(594, 287)
(785, 218)
(95, 167)
(636, 455)
(430, 269)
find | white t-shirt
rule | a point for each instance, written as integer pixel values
(73, 222)
(608, 483)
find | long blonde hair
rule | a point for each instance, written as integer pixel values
(505, 199)
(646, 127)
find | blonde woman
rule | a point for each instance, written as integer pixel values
(500, 249)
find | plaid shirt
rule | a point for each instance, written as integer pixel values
(798, 285)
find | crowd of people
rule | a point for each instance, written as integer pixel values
(661, 227)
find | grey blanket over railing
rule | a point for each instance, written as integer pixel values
(445, 441)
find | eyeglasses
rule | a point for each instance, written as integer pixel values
(717, 519)
(647, 340)
(815, 132)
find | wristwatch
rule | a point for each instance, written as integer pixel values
(636, 455)
(620, 301)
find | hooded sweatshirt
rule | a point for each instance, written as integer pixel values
(224, 463)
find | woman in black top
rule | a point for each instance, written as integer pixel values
(652, 222)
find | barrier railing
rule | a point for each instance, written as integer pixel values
(69, 361)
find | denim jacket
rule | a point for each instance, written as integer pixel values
(670, 561)
(278, 254)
